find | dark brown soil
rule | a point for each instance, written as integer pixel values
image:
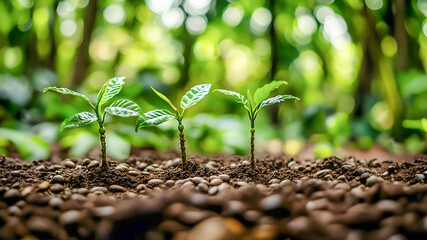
(150, 196)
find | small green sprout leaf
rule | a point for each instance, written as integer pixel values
(153, 118)
(276, 99)
(237, 96)
(195, 95)
(255, 103)
(121, 108)
(70, 92)
(124, 108)
(109, 90)
(262, 93)
(165, 99)
(78, 120)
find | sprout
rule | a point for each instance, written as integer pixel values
(121, 108)
(156, 117)
(254, 103)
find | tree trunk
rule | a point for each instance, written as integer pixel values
(184, 78)
(386, 75)
(82, 58)
(401, 35)
(274, 109)
(51, 61)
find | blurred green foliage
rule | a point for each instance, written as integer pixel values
(359, 67)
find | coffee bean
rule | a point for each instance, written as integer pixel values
(99, 189)
(246, 163)
(274, 180)
(15, 173)
(57, 179)
(55, 202)
(372, 180)
(170, 183)
(197, 180)
(117, 188)
(216, 182)
(70, 217)
(26, 191)
(420, 177)
(41, 168)
(155, 182)
(322, 173)
(224, 177)
(93, 164)
(44, 185)
(69, 164)
(271, 202)
(12, 193)
(188, 184)
(213, 190)
(285, 182)
(57, 188)
(298, 225)
(342, 186)
(86, 161)
(240, 184)
(103, 211)
(203, 187)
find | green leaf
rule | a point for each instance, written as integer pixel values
(250, 101)
(195, 95)
(237, 96)
(262, 93)
(165, 99)
(109, 90)
(276, 99)
(29, 146)
(78, 120)
(124, 108)
(70, 92)
(153, 118)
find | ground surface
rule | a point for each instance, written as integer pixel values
(217, 197)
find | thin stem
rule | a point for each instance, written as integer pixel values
(104, 164)
(182, 142)
(252, 143)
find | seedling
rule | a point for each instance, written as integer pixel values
(121, 108)
(156, 117)
(254, 103)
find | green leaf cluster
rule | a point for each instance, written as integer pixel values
(254, 103)
(121, 107)
(156, 117)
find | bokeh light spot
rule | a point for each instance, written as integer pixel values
(173, 18)
(306, 24)
(196, 24)
(389, 46)
(196, 7)
(374, 4)
(68, 28)
(65, 9)
(114, 14)
(159, 6)
(232, 16)
(204, 50)
(260, 21)
(12, 57)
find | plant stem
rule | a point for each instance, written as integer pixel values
(104, 163)
(182, 142)
(252, 144)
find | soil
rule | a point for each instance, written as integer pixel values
(151, 196)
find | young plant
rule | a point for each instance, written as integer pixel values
(254, 103)
(156, 117)
(121, 108)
